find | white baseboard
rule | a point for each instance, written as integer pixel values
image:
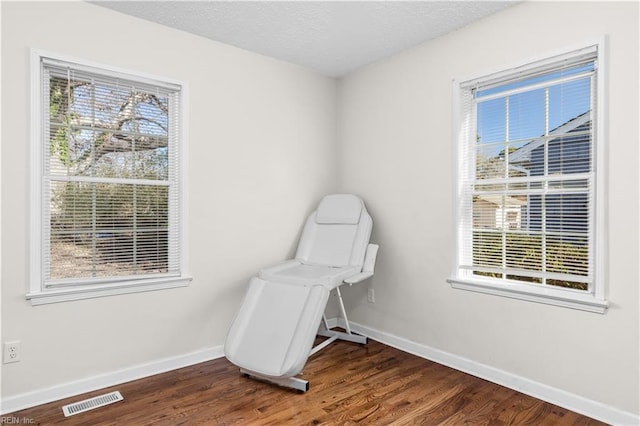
(65, 390)
(570, 401)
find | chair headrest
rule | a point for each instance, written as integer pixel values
(339, 209)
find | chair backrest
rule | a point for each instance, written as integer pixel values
(337, 233)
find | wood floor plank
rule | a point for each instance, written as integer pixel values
(350, 384)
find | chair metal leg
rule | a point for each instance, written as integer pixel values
(332, 336)
(343, 311)
(325, 322)
(337, 335)
(288, 382)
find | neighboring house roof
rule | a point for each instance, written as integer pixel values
(498, 200)
(523, 154)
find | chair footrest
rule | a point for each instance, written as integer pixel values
(275, 328)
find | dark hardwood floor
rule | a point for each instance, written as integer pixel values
(350, 383)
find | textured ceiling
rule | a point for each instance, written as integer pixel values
(333, 37)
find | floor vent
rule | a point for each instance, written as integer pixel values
(91, 403)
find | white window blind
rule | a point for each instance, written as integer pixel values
(110, 180)
(527, 175)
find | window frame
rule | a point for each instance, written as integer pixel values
(592, 300)
(39, 294)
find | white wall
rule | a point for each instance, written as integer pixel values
(396, 151)
(261, 154)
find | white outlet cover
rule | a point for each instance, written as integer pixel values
(11, 352)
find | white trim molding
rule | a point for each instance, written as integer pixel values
(568, 400)
(89, 292)
(42, 288)
(66, 390)
(488, 273)
(550, 296)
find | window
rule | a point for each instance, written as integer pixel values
(529, 213)
(107, 147)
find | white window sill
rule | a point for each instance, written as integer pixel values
(89, 292)
(559, 297)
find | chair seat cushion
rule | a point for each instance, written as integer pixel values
(296, 273)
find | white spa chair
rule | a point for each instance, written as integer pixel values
(273, 333)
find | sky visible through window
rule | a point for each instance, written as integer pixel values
(527, 109)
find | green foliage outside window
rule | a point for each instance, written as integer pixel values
(525, 252)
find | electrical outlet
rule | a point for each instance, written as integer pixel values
(371, 295)
(11, 352)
